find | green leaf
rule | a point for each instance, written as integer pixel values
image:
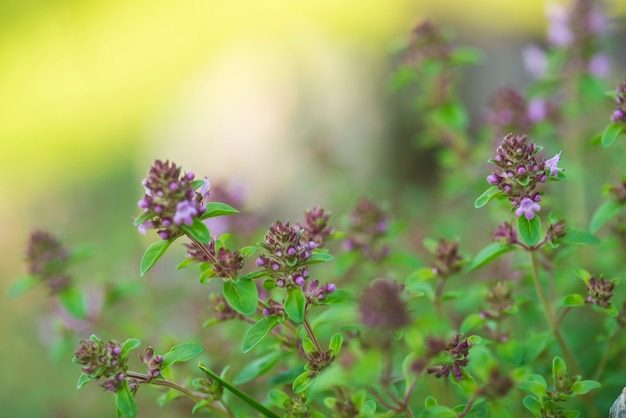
(308, 347)
(22, 285)
(186, 263)
(72, 301)
(246, 252)
(181, 353)
(83, 379)
(125, 401)
(242, 295)
(585, 386)
(605, 212)
(488, 254)
(146, 216)
(439, 411)
(214, 209)
(471, 322)
(253, 275)
(258, 367)
(577, 237)
(573, 300)
(533, 405)
(529, 230)
(336, 341)
(201, 404)
(451, 115)
(197, 230)
(430, 402)
(318, 256)
(559, 368)
(425, 273)
(611, 132)
(338, 296)
(152, 255)
(466, 55)
(129, 345)
(258, 331)
(295, 304)
(247, 399)
(302, 382)
(584, 275)
(488, 195)
(278, 398)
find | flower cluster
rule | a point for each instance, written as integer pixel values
(368, 225)
(619, 115)
(447, 258)
(457, 349)
(316, 228)
(47, 260)
(222, 309)
(170, 200)
(500, 302)
(102, 360)
(507, 112)
(226, 263)
(506, 234)
(315, 293)
(600, 291)
(578, 30)
(520, 172)
(152, 362)
(287, 254)
(381, 306)
(556, 231)
(427, 42)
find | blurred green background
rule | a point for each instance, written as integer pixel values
(288, 99)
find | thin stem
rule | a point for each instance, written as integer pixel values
(562, 315)
(567, 352)
(468, 407)
(605, 356)
(194, 396)
(309, 331)
(438, 292)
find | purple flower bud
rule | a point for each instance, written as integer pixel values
(164, 235)
(543, 179)
(173, 186)
(307, 254)
(521, 170)
(190, 176)
(507, 188)
(510, 174)
(143, 204)
(166, 222)
(160, 193)
(304, 273)
(291, 251)
(493, 179)
(275, 267)
(330, 288)
(280, 283)
(299, 280)
(321, 296)
(119, 376)
(260, 262)
(312, 245)
(155, 373)
(279, 253)
(498, 158)
(266, 312)
(537, 198)
(158, 208)
(116, 351)
(158, 359)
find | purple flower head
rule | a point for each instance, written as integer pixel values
(528, 207)
(552, 163)
(204, 190)
(185, 211)
(559, 33)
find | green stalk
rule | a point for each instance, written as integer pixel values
(552, 321)
(247, 399)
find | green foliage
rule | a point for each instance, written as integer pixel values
(152, 255)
